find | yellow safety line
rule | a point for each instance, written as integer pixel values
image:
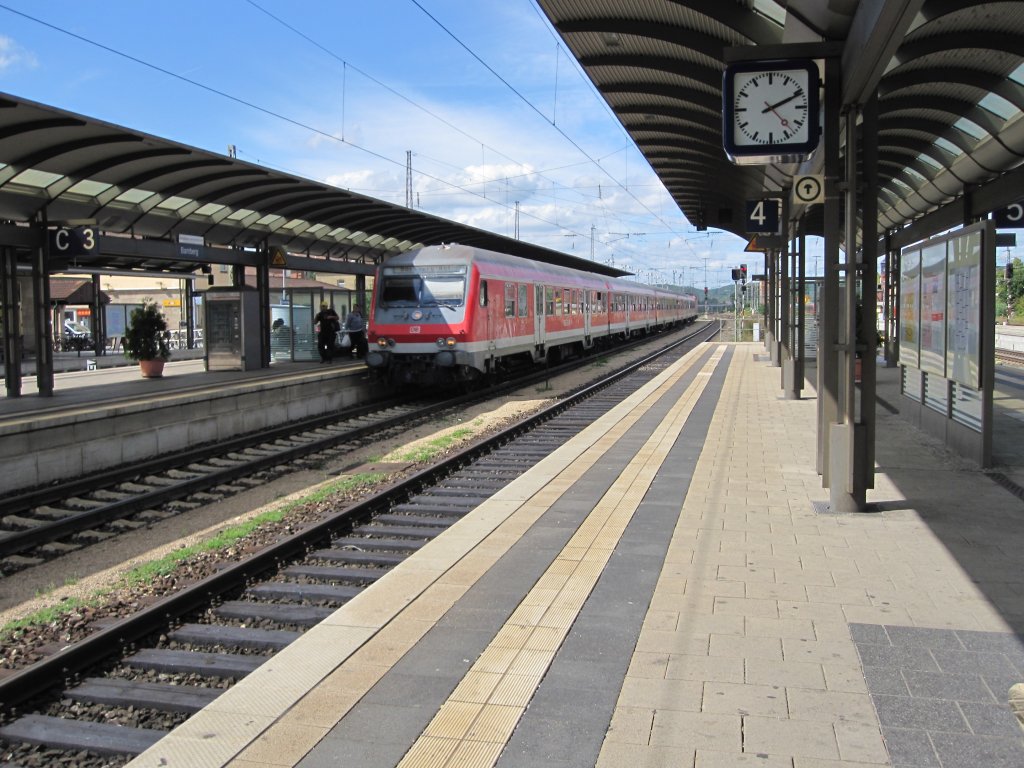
(472, 728)
(292, 734)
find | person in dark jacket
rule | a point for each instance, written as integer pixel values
(355, 325)
(328, 324)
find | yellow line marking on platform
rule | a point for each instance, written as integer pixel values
(362, 640)
(485, 708)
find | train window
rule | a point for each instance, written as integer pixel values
(399, 291)
(510, 299)
(549, 293)
(448, 290)
(524, 301)
(483, 293)
(539, 300)
(565, 298)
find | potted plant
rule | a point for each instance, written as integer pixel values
(145, 339)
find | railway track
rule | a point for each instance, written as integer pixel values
(1009, 356)
(180, 653)
(46, 523)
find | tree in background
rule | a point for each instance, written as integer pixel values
(1010, 291)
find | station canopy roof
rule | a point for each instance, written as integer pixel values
(82, 171)
(949, 76)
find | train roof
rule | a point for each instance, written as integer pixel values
(494, 264)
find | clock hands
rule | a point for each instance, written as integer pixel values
(771, 107)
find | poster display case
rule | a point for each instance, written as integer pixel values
(232, 329)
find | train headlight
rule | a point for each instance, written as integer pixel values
(384, 343)
(446, 343)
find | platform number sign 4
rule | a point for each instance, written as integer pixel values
(763, 216)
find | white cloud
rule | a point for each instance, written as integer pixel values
(13, 55)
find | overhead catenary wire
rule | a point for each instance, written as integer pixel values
(613, 221)
(252, 105)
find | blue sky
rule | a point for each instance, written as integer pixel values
(339, 91)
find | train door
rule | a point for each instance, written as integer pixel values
(588, 297)
(539, 336)
(488, 308)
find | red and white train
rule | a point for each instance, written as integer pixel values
(456, 313)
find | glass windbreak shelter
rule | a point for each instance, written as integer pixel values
(292, 328)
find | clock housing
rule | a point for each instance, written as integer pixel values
(770, 111)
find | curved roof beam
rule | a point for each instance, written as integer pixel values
(96, 169)
(935, 128)
(686, 39)
(950, 105)
(141, 179)
(695, 143)
(45, 124)
(988, 41)
(918, 146)
(983, 81)
(711, 77)
(678, 116)
(199, 181)
(38, 156)
(712, 102)
(737, 17)
(282, 189)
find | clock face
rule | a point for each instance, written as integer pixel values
(771, 108)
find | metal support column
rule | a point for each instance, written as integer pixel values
(852, 439)
(99, 318)
(765, 296)
(263, 293)
(864, 459)
(846, 490)
(190, 314)
(785, 351)
(772, 261)
(828, 335)
(361, 296)
(9, 300)
(790, 381)
(41, 311)
(801, 320)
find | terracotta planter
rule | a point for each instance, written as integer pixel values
(152, 369)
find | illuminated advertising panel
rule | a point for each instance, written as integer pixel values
(910, 307)
(933, 309)
(963, 310)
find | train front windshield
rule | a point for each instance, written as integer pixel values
(402, 289)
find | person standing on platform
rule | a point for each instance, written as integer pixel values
(355, 326)
(328, 325)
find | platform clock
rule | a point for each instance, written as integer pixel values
(770, 111)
